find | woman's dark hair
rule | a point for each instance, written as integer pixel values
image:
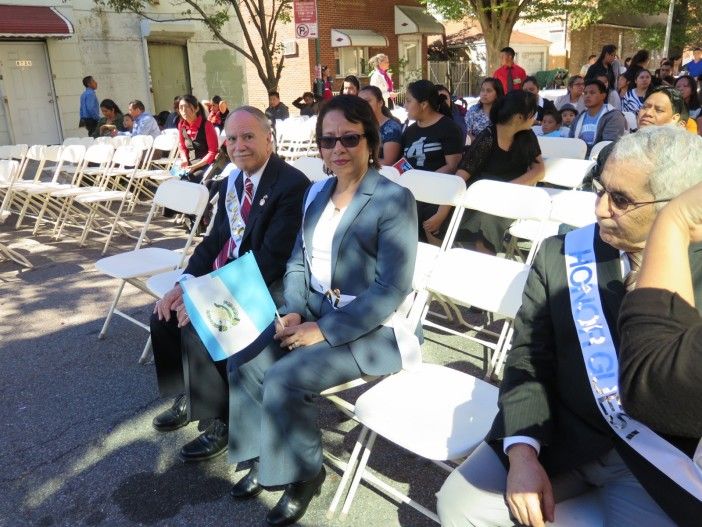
(531, 79)
(192, 101)
(355, 110)
(353, 80)
(677, 103)
(110, 105)
(627, 61)
(424, 90)
(606, 50)
(555, 114)
(216, 99)
(694, 102)
(378, 95)
(640, 57)
(517, 102)
(496, 85)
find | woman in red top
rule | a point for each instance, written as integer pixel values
(197, 138)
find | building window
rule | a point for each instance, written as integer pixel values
(352, 61)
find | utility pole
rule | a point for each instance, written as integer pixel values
(668, 29)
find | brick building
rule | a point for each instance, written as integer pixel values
(350, 32)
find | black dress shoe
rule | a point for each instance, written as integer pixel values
(211, 443)
(248, 486)
(293, 504)
(173, 418)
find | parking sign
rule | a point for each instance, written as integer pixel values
(305, 12)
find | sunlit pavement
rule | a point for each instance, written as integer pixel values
(77, 446)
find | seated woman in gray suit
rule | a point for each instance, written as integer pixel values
(350, 271)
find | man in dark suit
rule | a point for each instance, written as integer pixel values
(549, 441)
(267, 196)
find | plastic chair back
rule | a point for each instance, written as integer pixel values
(597, 149)
(574, 207)
(142, 142)
(8, 170)
(126, 156)
(99, 153)
(53, 153)
(36, 152)
(120, 140)
(312, 167)
(165, 141)
(73, 154)
(570, 147)
(631, 121)
(71, 141)
(390, 172)
(433, 187)
(567, 173)
(181, 196)
(507, 200)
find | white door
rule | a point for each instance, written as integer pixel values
(28, 94)
(410, 51)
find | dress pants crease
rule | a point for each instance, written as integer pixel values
(183, 364)
(273, 408)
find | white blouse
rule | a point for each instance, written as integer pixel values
(321, 250)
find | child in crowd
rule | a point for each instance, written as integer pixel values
(568, 115)
(127, 122)
(551, 123)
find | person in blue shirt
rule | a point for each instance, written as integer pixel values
(89, 106)
(694, 67)
(144, 122)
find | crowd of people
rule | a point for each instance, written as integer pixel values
(338, 258)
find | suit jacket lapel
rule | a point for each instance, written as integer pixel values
(360, 199)
(268, 179)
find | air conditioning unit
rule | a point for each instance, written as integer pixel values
(289, 48)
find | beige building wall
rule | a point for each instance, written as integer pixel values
(111, 47)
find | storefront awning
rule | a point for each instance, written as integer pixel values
(357, 37)
(18, 21)
(410, 19)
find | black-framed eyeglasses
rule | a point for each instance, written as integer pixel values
(621, 201)
(347, 141)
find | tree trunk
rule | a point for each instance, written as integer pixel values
(497, 24)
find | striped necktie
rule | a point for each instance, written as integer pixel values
(635, 260)
(226, 253)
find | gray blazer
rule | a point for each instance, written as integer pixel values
(373, 254)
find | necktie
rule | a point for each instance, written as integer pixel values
(635, 264)
(510, 80)
(225, 254)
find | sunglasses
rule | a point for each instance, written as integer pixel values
(347, 141)
(618, 200)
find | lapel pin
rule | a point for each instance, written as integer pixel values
(263, 200)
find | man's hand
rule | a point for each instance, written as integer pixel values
(171, 301)
(529, 492)
(293, 334)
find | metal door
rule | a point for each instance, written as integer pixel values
(170, 74)
(28, 94)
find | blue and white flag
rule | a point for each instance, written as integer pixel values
(230, 307)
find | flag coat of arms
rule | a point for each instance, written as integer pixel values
(230, 307)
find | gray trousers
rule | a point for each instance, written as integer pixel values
(474, 493)
(272, 409)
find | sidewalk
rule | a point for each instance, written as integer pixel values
(77, 447)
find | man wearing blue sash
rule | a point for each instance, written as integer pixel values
(259, 210)
(561, 431)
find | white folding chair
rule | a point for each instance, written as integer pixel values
(136, 266)
(435, 412)
(39, 154)
(390, 172)
(71, 158)
(312, 167)
(632, 123)
(565, 172)
(596, 149)
(570, 147)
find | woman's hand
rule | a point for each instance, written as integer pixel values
(686, 211)
(293, 336)
(433, 224)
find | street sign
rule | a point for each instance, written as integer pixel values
(305, 12)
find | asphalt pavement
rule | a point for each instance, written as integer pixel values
(77, 447)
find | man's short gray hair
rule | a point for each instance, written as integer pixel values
(670, 155)
(258, 114)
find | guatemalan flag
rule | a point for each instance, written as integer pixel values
(230, 307)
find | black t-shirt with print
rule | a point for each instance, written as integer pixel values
(426, 148)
